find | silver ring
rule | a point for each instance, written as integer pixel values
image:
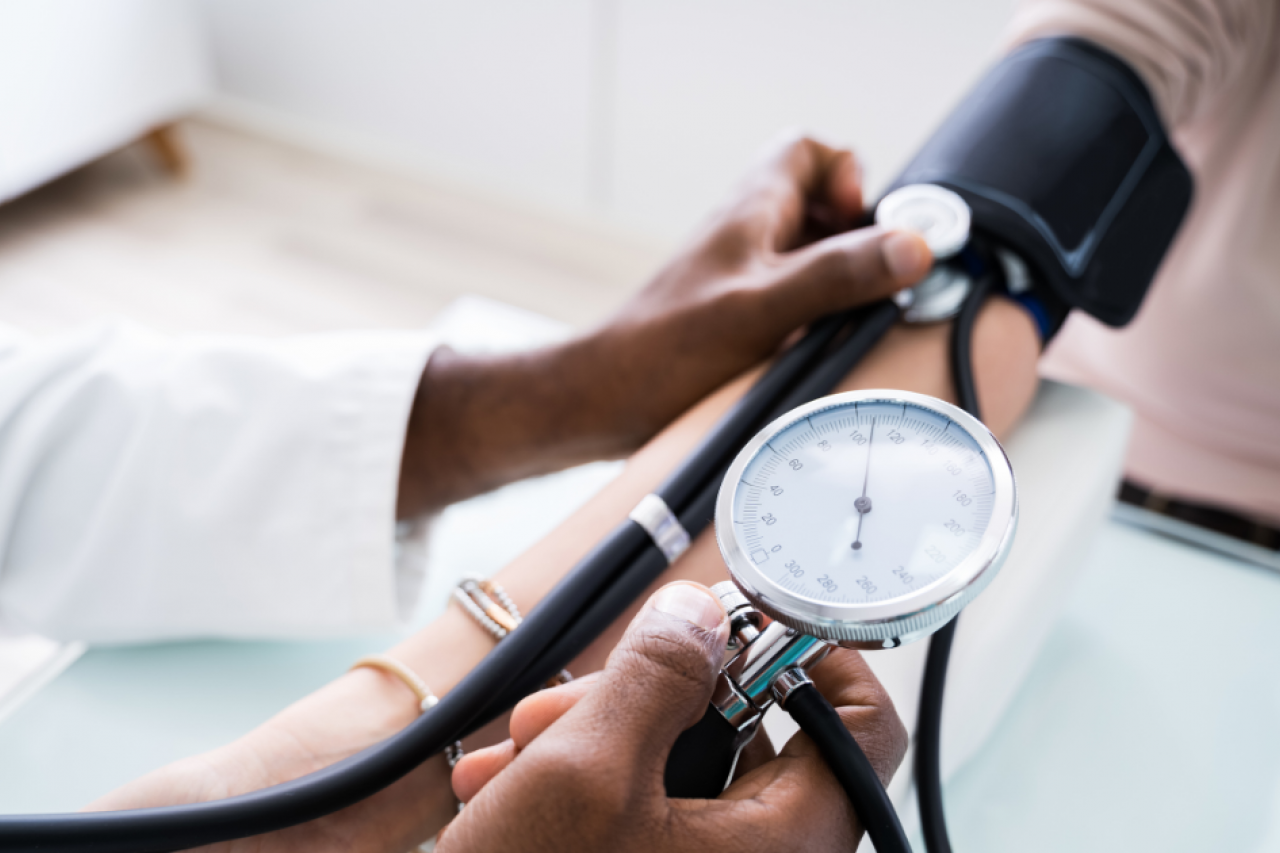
(657, 519)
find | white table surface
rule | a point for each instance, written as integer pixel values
(1151, 720)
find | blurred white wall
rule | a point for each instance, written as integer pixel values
(81, 77)
(495, 92)
(644, 111)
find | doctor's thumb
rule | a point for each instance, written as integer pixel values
(853, 268)
(658, 679)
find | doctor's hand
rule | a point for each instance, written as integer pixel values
(583, 768)
(778, 256)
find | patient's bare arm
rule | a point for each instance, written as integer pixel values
(748, 280)
(365, 706)
(913, 358)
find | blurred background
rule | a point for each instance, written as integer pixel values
(249, 163)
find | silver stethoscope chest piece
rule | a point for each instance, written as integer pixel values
(868, 518)
(942, 218)
(936, 213)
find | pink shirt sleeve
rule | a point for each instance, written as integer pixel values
(1198, 363)
(1187, 51)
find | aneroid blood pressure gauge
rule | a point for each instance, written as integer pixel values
(868, 518)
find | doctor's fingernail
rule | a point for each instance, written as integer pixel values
(906, 255)
(691, 603)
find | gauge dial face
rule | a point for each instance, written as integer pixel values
(864, 502)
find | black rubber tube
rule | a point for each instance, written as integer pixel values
(734, 429)
(928, 759)
(816, 718)
(872, 325)
(961, 346)
(928, 767)
(158, 830)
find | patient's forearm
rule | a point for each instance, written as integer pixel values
(914, 358)
(365, 706)
(1006, 348)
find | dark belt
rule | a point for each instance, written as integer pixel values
(1214, 518)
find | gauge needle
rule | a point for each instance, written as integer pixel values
(863, 504)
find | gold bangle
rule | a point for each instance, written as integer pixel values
(391, 666)
(426, 699)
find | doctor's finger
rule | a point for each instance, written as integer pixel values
(785, 804)
(478, 768)
(758, 751)
(797, 174)
(854, 268)
(834, 209)
(529, 719)
(657, 681)
(801, 169)
(844, 184)
(539, 710)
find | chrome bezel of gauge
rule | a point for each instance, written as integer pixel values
(881, 623)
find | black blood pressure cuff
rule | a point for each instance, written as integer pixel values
(1061, 156)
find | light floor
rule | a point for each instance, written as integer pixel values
(265, 238)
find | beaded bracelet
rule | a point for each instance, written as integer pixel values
(488, 604)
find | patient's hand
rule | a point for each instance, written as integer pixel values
(356, 711)
(753, 276)
(583, 770)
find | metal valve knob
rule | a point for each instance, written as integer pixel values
(702, 760)
(744, 619)
(762, 654)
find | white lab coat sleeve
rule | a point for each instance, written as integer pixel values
(155, 487)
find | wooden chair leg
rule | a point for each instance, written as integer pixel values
(166, 145)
